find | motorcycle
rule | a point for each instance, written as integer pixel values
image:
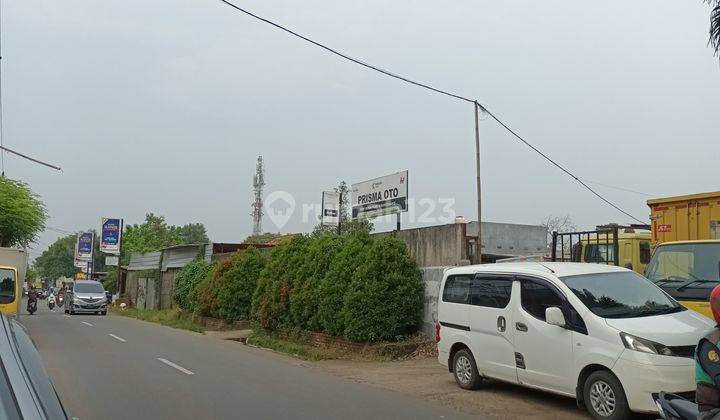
(60, 301)
(51, 302)
(675, 407)
(32, 306)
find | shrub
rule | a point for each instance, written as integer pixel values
(189, 277)
(209, 288)
(337, 279)
(234, 299)
(271, 299)
(385, 298)
(305, 297)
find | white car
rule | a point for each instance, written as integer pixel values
(602, 334)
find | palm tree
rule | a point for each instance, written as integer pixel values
(714, 25)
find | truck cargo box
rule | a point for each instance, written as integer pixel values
(685, 217)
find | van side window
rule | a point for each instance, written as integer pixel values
(536, 297)
(493, 292)
(644, 252)
(457, 289)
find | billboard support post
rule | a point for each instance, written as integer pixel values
(339, 229)
(478, 251)
(398, 222)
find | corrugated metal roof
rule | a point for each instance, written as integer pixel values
(180, 256)
(147, 261)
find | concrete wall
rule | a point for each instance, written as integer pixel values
(432, 277)
(510, 239)
(435, 245)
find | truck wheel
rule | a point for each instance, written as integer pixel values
(604, 397)
(465, 370)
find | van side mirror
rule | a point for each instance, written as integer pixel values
(629, 266)
(554, 316)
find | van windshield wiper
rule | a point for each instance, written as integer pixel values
(686, 284)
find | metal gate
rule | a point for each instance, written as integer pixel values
(593, 246)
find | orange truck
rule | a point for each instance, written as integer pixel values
(686, 240)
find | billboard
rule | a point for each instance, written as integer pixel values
(112, 260)
(84, 246)
(380, 196)
(110, 235)
(330, 215)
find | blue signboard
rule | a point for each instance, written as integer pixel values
(84, 245)
(110, 236)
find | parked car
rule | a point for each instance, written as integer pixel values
(86, 296)
(26, 391)
(602, 334)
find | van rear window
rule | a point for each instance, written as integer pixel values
(457, 289)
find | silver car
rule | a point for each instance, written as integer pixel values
(86, 296)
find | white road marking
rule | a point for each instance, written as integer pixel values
(66, 315)
(178, 367)
(87, 323)
(117, 338)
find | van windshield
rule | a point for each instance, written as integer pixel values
(687, 265)
(621, 295)
(7, 286)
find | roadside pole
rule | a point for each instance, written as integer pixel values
(398, 222)
(478, 246)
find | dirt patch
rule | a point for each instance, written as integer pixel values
(426, 378)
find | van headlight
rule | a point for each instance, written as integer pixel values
(643, 345)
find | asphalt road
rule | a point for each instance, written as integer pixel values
(113, 367)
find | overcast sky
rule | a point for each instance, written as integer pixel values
(163, 106)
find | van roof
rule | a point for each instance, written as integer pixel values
(559, 269)
(697, 241)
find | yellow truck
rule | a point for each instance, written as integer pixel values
(626, 246)
(13, 263)
(686, 240)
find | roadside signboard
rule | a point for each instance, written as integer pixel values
(111, 235)
(80, 264)
(380, 196)
(112, 260)
(84, 246)
(330, 209)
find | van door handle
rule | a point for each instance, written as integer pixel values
(501, 324)
(521, 326)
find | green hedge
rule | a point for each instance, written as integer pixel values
(185, 293)
(350, 285)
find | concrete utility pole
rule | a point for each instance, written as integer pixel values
(258, 184)
(478, 251)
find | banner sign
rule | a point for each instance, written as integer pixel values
(111, 235)
(84, 246)
(380, 196)
(112, 260)
(330, 209)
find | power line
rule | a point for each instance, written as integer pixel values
(58, 230)
(615, 187)
(57, 168)
(434, 89)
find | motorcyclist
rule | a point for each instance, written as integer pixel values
(32, 297)
(707, 365)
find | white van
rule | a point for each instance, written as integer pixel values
(602, 334)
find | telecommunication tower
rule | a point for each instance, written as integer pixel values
(258, 184)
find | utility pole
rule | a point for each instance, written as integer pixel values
(478, 251)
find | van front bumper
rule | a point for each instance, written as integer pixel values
(89, 307)
(643, 374)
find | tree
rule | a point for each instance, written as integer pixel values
(22, 214)
(193, 233)
(558, 224)
(58, 259)
(714, 40)
(152, 235)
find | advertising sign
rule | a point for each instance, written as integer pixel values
(84, 246)
(110, 236)
(380, 196)
(330, 209)
(112, 260)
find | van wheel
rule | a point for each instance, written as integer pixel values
(604, 397)
(465, 370)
